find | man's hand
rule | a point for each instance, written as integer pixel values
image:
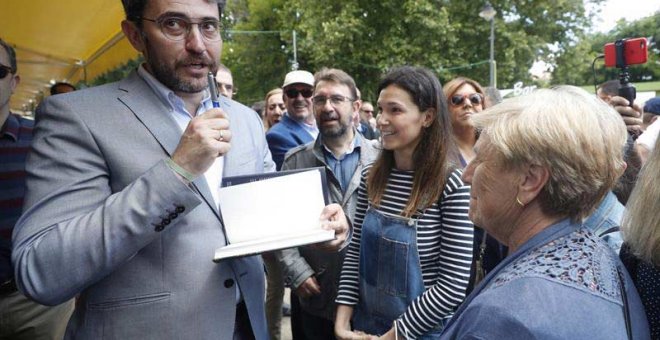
(632, 116)
(206, 138)
(333, 218)
(308, 288)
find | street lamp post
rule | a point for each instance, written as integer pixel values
(488, 13)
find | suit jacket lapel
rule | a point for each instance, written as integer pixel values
(141, 100)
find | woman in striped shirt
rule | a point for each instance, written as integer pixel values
(408, 264)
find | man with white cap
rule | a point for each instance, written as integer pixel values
(297, 127)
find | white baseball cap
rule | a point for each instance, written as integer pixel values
(298, 77)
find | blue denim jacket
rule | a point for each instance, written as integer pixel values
(561, 284)
(606, 220)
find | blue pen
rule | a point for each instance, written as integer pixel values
(213, 88)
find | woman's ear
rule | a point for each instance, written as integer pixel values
(535, 177)
(429, 116)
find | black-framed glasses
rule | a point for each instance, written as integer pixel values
(293, 93)
(4, 71)
(475, 99)
(178, 28)
(335, 100)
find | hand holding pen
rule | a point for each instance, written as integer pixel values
(206, 137)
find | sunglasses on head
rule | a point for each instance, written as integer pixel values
(4, 71)
(475, 99)
(293, 93)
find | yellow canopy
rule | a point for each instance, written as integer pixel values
(65, 40)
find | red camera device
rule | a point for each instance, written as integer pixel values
(634, 51)
(622, 53)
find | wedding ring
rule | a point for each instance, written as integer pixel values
(221, 137)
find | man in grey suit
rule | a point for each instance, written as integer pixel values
(122, 206)
(343, 152)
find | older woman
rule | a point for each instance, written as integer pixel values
(408, 264)
(465, 98)
(543, 161)
(641, 230)
(273, 108)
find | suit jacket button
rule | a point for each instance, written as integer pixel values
(229, 283)
(165, 221)
(159, 227)
(180, 209)
(173, 216)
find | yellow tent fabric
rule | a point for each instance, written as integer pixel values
(69, 40)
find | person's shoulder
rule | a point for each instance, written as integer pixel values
(300, 151)
(579, 261)
(23, 122)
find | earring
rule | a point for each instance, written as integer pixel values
(522, 205)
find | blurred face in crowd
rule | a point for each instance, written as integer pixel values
(334, 109)
(180, 65)
(400, 120)
(225, 83)
(366, 112)
(464, 102)
(274, 109)
(298, 101)
(493, 192)
(7, 84)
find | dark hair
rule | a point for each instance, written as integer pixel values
(12, 55)
(55, 88)
(431, 158)
(135, 8)
(610, 87)
(336, 76)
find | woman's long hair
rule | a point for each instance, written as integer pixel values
(431, 156)
(641, 222)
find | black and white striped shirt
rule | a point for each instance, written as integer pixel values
(444, 241)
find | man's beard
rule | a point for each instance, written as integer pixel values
(167, 75)
(334, 131)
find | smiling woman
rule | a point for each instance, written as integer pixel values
(408, 264)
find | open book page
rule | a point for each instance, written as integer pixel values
(274, 209)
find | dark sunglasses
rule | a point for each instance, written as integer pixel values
(475, 99)
(4, 71)
(293, 93)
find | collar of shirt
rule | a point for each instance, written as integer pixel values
(10, 128)
(170, 99)
(354, 145)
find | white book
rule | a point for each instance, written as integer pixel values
(272, 211)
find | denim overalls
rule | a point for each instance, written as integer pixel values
(390, 277)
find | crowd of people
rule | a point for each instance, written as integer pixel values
(457, 215)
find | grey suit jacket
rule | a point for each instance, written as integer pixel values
(298, 264)
(98, 193)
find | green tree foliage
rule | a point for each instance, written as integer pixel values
(573, 66)
(367, 37)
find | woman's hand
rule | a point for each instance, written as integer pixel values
(343, 325)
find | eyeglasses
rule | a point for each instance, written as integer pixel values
(293, 93)
(177, 28)
(335, 100)
(4, 71)
(475, 99)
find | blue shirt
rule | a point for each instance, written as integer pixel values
(345, 166)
